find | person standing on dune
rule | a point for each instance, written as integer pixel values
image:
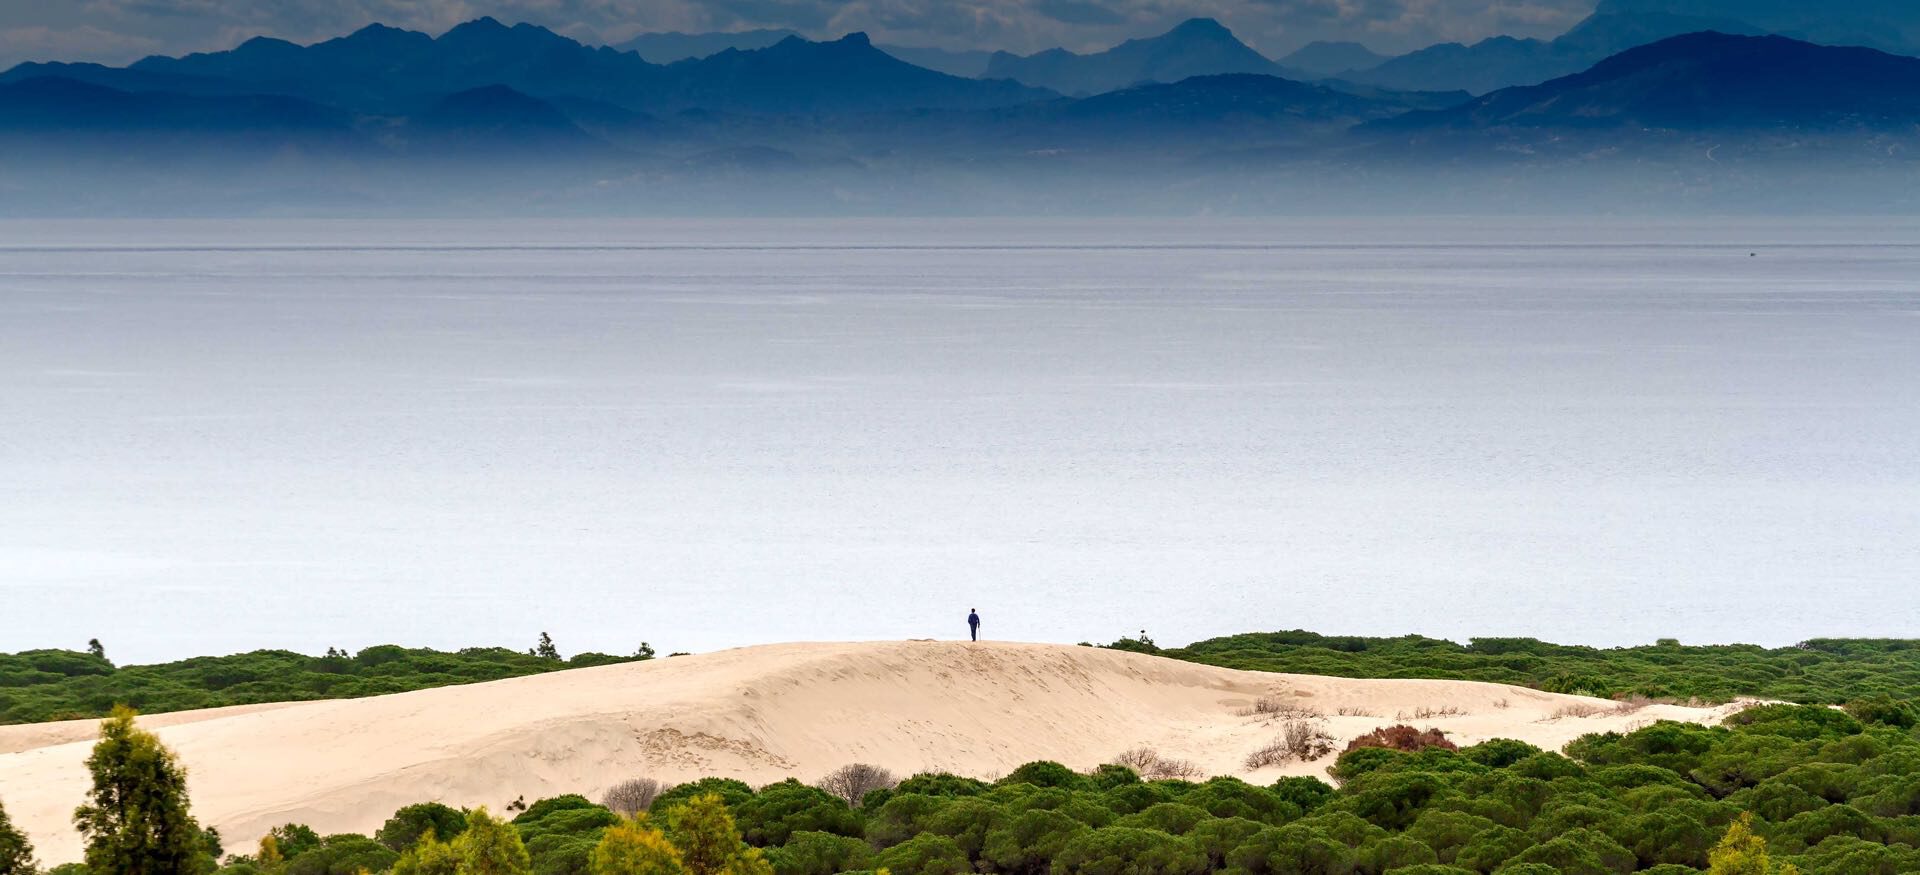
(973, 623)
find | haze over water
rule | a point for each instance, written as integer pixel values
(218, 436)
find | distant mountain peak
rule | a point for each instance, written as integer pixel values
(1195, 47)
(1200, 26)
(265, 43)
(1329, 57)
(376, 29)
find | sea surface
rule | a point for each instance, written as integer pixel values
(219, 436)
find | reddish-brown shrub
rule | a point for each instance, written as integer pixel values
(1403, 737)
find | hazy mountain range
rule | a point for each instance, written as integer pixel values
(491, 113)
(1204, 47)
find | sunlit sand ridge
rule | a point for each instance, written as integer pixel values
(761, 714)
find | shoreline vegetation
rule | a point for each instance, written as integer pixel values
(45, 685)
(1777, 789)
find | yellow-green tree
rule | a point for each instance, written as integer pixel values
(271, 860)
(428, 856)
(1741, 852)
(710, 843)
(634, 847)
(137, 820)
(491, 847)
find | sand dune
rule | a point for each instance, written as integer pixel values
(758, 713)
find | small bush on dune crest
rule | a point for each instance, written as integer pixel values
(1403, 737)
(1299, 740)
(1151, 766)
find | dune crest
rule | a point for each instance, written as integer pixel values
(760, 714)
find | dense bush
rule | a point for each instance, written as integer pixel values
(1806, 786)
(404, 829)
(1821, 671)
(40, 685)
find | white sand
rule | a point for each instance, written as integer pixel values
(760, 714)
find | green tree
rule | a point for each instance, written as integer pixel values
(16, 853)
(343, 855)
(95, 649)
(1118, 850)
(491, 847)
(291, 840)
(926, 854)
(819, 853)
(1296, 849)
(732, 792)
(708, 841)
(545, 649)
(634, 847)
(1027, 844)
(137, 819)
(780, 810)
(1046, 773)
(404, 829)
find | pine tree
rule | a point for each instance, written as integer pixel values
(137, 819)
(491, 847)
(16, 853)
(632, 847)
(428, 856)
(545, 649)
(709, 842)
(96, 649)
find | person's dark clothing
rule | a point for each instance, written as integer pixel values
(973, 624)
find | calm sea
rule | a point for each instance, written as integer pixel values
(223, 436)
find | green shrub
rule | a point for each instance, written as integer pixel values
(1493, 848)
(925, 854)
(1119, 850)
(1286, 850)
(342, 855)
(1028, 843)
(1306, 793)
(1173, 818)
(819, 853)
(730, 791)
(942, 784)
(1884, 710)
(1499, 753)
(1045, 773)
(780, 810)
(904, 816)
(406, 826)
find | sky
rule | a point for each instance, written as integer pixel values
(118, 31)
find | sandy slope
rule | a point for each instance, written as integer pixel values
(759, 713)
